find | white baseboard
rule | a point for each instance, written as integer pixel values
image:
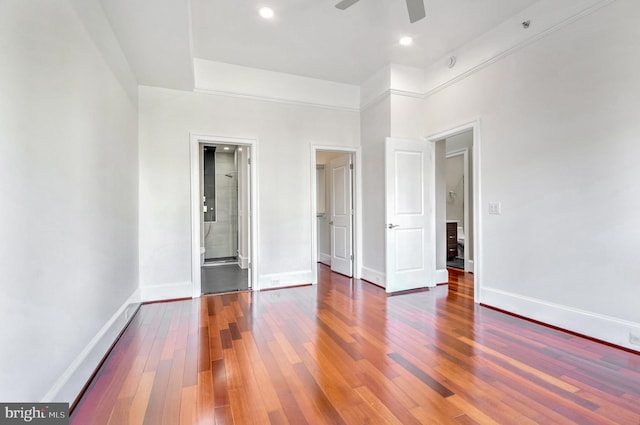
(279, 280)
(324, 258)
(243, 262)
(470, 266)
(598, 326)
(169, 291)
(442, 276)
(374, 276)
(69, 385)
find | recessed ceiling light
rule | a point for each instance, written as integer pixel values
(266, 12)
(406, 41)
(226, 148)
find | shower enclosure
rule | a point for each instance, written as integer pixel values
(220, 205)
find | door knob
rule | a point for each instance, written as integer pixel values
(391, 226)
(331, 222)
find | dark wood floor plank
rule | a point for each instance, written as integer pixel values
(329, 413)
(153, 415)
(290, 407)
(429, 403)
(421, 375)
(343, 352)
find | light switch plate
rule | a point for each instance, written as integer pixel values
(495, 208)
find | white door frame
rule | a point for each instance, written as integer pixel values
(196, 141)
(475, 200)
(357, 198)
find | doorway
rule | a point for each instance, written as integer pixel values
(335, 209)
(223, 214)
(225, 265)
(457, 200)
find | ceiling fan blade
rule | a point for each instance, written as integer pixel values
(416, 10)
(346, 3)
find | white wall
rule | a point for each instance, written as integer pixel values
(375, 126)
(396, 115)
(560, 150)
(68, 185)
(284, 132)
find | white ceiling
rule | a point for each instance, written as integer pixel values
(155, 37)
(307, 37)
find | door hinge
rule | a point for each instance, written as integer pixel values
(249, 161)
(352, 257)
(351, 166)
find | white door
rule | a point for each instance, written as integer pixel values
(341, 216)
(410, 218)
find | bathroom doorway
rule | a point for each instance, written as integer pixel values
(225, 264)
(220, 204)
(455, 203)
(463, 141)
(223, 214)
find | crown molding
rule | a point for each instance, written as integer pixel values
(501, 53)
(538, 13)
(223, 79)
(407, 93)
(260, 98)
(507, 50)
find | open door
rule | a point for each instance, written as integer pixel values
(341, 216)
(410, 215)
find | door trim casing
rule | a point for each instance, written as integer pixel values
(195, 141)
(357, 203)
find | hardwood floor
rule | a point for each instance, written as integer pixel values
(343, 352)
